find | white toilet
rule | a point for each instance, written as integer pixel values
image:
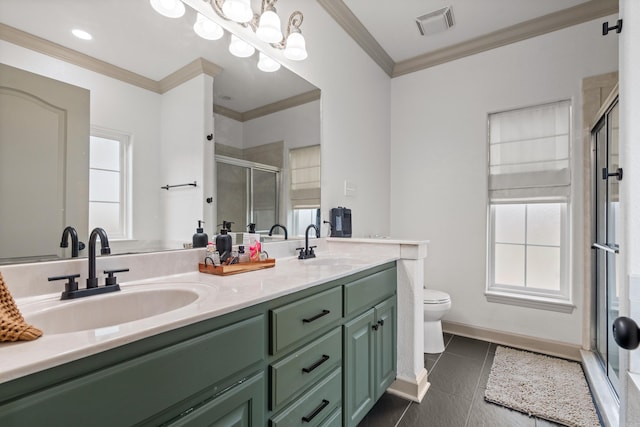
(436, 305)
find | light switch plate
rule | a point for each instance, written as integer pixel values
(350, 188)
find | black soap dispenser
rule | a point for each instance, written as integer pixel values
(200, 239)
(223, 242)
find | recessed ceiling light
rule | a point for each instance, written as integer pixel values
(81, 34)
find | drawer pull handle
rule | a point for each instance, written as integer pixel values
(381, 322)
(315, 365)
(316, 317)
(316, 411)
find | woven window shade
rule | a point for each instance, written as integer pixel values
(529, 153)
(304, 166)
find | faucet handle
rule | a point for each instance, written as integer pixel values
(111, 280)
(311, 250)
(302, 253)
(70, 286)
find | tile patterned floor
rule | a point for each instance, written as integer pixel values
(458, 378)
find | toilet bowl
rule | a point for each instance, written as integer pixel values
(436, 304)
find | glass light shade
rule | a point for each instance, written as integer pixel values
(238, 10)
(267, 64)
(269, 27)
(296, 47)
(207, 29)
(240, 48)
(168, 8)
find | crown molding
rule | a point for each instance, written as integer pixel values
(189, 71)
(265, 110)
(35, 43)
(584, 12)
(46, 47)
(348, 21)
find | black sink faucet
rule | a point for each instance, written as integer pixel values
(75, 244)
(307, 251)
(274, 226)
(92, 280)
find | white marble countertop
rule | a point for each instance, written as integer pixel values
(217, 296)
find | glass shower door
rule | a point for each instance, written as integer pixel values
(606, 214)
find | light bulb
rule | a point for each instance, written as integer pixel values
(168, 8)
(296, 47)
(238, 10)
(267, 64)
(240, 48)
(269, 27)
(207, 29)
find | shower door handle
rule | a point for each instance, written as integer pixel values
(609, 248)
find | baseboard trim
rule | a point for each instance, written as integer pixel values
(524, 342)
(411, 389)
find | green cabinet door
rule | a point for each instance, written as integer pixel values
(243, 405)
(386, 345)
(359, 365)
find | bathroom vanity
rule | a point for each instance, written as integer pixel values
(317, 348)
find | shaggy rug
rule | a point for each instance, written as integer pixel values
(542, 386)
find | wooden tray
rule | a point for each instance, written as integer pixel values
(225, 270)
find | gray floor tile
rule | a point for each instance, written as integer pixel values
(430, 360)
(386, 412)
(468, 347)
(486, 370)
(456, 375)
(545, 423)
(438, 409)
(492, 348)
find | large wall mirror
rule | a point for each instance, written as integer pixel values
(139, 71)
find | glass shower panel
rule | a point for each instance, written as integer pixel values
(265, 199)
(233, 194)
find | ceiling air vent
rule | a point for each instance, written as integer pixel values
(435, 22)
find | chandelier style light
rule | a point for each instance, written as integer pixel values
(266, 25)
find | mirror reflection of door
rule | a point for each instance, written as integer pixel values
(247, 192)
(606, 231)
(41, 119)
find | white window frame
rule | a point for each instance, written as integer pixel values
(125, 231)
(546, 299)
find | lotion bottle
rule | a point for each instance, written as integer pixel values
(200, 239)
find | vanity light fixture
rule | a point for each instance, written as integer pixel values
(207, 29)
(238, 10)
(269, 26)
(240, 48)
(267, 64)
(168, 8)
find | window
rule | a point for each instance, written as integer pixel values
(529, 196)
(108, 183)
(304, 190)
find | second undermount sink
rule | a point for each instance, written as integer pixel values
(108, 310)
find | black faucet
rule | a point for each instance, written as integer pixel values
(92, 280)
(274, 226)
(307, 251)
(76, 246)
(71, 287)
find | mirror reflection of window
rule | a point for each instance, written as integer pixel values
(304, 192)
(108, 184)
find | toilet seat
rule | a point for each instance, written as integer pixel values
(432, 296)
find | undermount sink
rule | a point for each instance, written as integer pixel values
(108, 310)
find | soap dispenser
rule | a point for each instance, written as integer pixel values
(223, 243)
(200, 239)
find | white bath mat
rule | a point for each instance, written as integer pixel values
(542, 386)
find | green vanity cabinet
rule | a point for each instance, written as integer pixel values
(149, 389)
(370, 343)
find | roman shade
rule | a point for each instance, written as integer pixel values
(304, 164)
(529, 153)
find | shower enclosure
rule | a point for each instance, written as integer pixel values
(247, 192)
(606, 224)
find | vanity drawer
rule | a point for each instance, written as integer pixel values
(334, 420)
(305, 366)
(295, 321)
(315, 405)
(364, 293)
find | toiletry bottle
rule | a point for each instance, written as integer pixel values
(254, 249)
(242, 255)
(200, 239)
(223, 244)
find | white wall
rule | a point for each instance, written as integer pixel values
(439, 157)
(187, 156)
(118, 106)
